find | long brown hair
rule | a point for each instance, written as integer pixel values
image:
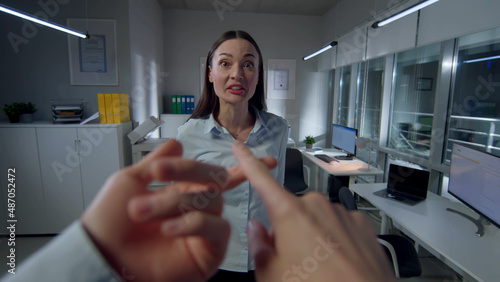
(209, 102)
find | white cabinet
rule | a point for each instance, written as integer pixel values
(61, 177)
(72, 164)
(18, 150)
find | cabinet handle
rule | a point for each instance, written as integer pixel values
(77, 145)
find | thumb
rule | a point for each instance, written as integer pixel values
(260, 244)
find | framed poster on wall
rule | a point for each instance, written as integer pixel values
(92, 61)
(281, 79)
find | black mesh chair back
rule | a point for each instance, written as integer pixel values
(294, 171)
(347, 199)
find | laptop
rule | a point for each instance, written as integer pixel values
(406, 185)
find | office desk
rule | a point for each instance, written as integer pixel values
(350, 169)
(142, 148)
(446, 235)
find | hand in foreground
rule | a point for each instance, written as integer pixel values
(174, 234)
(312, 239)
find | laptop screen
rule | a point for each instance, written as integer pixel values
(408, 180)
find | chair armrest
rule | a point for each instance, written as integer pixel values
(392, 251)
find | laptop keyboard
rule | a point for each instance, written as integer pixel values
(325, 158)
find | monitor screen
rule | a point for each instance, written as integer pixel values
(475, 180)
(344, 138)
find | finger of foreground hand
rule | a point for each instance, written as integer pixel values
(260, 244)
(272, 193)
(197, 223)
(214, 176)
(170, 202)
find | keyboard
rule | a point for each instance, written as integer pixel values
(325, 158)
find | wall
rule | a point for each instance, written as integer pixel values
(39, 70)
(189, 34)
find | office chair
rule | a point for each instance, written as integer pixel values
(399, 249)
(294, 172)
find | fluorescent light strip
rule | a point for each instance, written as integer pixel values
(404, 13)
(320, 51)
(482, 59)
(23, 15)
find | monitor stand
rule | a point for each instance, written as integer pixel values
(344, 158)
(478, 222)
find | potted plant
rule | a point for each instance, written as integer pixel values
(12, 112)
(20, 112)
(26, 111)
(309, 141)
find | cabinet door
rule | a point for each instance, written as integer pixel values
(18, 149)
(100, 157)
(61, 178)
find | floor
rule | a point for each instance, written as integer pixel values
(433, 269)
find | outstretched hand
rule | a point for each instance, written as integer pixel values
(173, 234)
(311, 238)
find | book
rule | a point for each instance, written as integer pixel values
(102, 108)
(315, 150)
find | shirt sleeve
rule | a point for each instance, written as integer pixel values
(282, 155)
(71, 256)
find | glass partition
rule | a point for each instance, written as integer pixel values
(413, 100)
(368, 105)
(345, 86)
(475, 104)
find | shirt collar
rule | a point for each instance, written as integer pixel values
(213, 126)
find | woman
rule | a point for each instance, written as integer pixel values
(232, 107)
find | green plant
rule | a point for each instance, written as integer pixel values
(11, 109)
(16, 108)
(309, 140)
(27, 108)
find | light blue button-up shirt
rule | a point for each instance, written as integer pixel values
(207, 141)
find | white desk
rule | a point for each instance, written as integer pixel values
(142, 148)
(446, 235)
(350, 168)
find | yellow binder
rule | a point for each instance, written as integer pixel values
(102, 108)
(109, 107)
(121, 112)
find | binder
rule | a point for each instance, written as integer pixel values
(183, 104)
(121, 112)
(174, 104)
(179, 105)
(191, 104)
(108, 99)
(102, 108)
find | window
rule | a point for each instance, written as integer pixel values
(413, 98)
(345, 86)
(475, 103)
(368, 105)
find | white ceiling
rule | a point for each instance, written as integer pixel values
(291, 7)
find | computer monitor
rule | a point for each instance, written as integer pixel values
(475, 181)
(344, 139)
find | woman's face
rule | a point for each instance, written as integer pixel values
(234, 71)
